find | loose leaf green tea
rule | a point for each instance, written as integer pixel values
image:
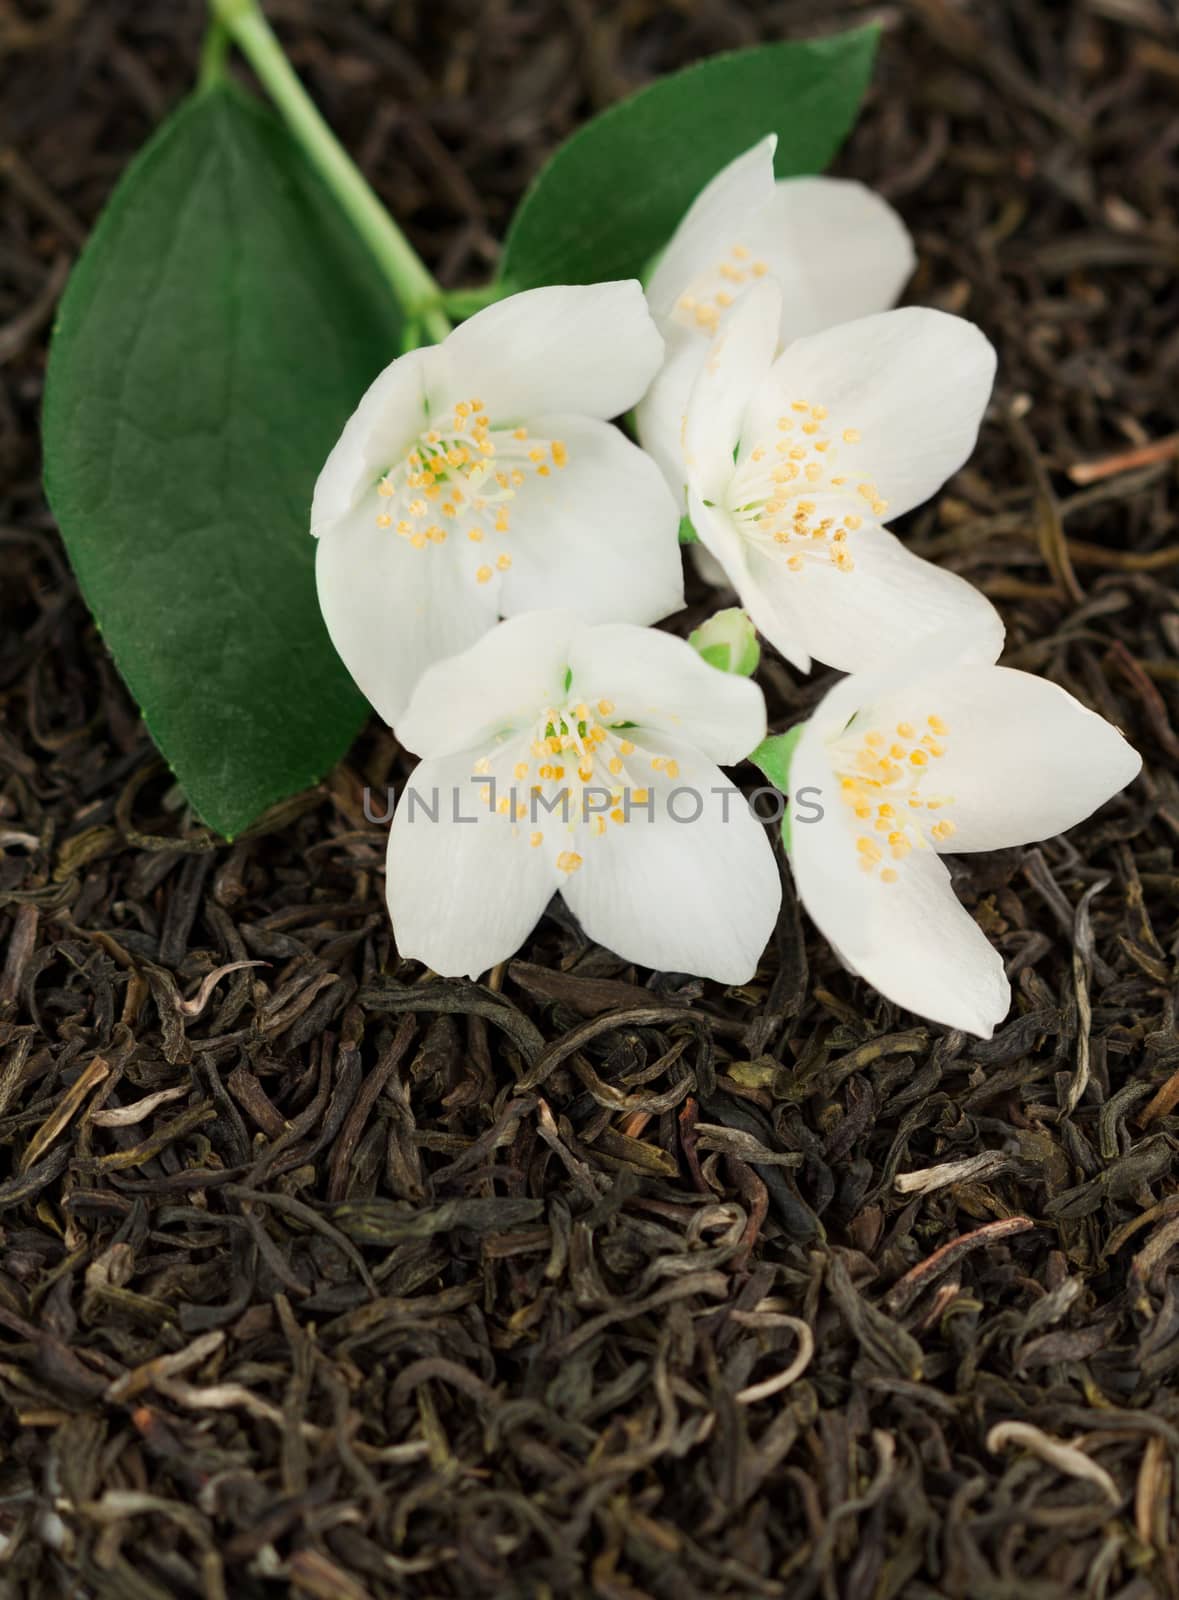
(591, 1279)
(611, 196)
(215, 334)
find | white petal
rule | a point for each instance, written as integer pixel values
(591, 349)
(736, 367)
(716, 220)
(717, 535)
(912, 384)
(707, 566)
(392, 610)
(853, 620)
(838, 250)
(661, 415)
(462, 895)
(912, 939)
(1023, 760)
(699, 895)
(660, 683)
(773, 617)
(930, 658)
(599, 535)
(503, 682)
(380, 432)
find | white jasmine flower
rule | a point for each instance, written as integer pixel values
(480, 477)
(793, 463)
(937, 750)
(562, 757)
(834, 249)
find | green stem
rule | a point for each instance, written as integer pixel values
(420, 296)
(465, 302)
(214, 49)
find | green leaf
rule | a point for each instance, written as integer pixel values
(773, 757)
(613, 194)
(218, 330)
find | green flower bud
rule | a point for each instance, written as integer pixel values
(728, 641)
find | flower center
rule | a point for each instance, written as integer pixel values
(582, 775)
(884, 779)
(792, 495)
(459, 480)
(712, 292)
